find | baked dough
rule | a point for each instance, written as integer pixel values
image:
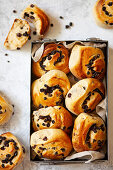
(103, 13)
(56, 117)
(55, 56)
(11, 151)
(18, 35)
(51, 143)
(89, 133)
(50, 89)
(38, 17)
(87, 62)
(84, 96)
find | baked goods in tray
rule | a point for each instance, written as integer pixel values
(51, 143)
(103, 13)
(89, 132)
(55, 56)
(18, 35)
(84, 96)
(6, 110)
(50, 89)
(11, 151)
(87, 61)
(38, 17)
(56, 117)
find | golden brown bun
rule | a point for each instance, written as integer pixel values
(55, 56)
(18, 35)
(89, 132)
(56, 117)
(50, 89)
(103, 13)
(6, 111)
(88, 62)
(84, 96)
(51, 143)
(38, 17)
(11, 151)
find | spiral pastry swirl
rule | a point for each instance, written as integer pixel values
(54, 57)
(89, 132)
(50, 89)
(11, 151)
(103, 12)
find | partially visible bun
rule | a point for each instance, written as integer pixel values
(50, 89)
(84, 96)
(38, 17)
(18, 35)
(51, 143)
(89, 133)
(56, 117)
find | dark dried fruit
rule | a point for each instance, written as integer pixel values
(45, 138)
(67, 26)
(34, 33)
(19, 34)
(69, 95)
(31, 5)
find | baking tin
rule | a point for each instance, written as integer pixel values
(32, 78)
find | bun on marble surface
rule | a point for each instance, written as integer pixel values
(18, 35)
(103, 13)
(56, 117)
(50, 89)
(51, 143)
(89, 132)
(84, 96)
(55, 56)
(6, 110)
(11, 151)
(87, 62)
(38, 17)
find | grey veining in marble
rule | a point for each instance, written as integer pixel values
(15, 75)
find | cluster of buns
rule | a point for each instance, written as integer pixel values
(20, 30)
(52, 95)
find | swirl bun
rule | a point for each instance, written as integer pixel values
(51, 143)
(11, 151)
(6, 111)
(84, 96)
(103, 13)
(88, 62)
(89, 133)
(54, 57)
(56, 117)
(50, 89)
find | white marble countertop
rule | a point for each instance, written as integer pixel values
(15, 75)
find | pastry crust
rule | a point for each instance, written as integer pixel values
(11, 151)
(38, 17)
(84, 96)
(18, 35)
(87, 62)
(55, 56)
(103, 13)
(89, 133)
(50, 89)
(51, 143)
(6, 111)
(56, 117)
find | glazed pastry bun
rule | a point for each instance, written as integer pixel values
(51, 143)
(38, 17)
(89, 133)
(11, 151)
(50, 89)
(6, 110)
(84, 96)
(87, 62)
(18, 35)
(56, 117)
(103, 13)
(55, 56)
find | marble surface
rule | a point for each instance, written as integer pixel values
(15, 74)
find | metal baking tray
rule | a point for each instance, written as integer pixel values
(32, 78)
